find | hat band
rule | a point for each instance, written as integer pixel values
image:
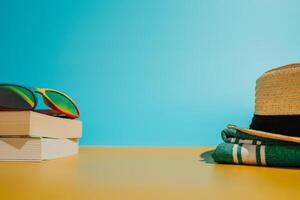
(281, 124)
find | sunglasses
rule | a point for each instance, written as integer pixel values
(16, 97)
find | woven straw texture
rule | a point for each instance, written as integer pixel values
(278, 91)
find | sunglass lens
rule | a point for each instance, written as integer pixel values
(16, 97)
(64, 103)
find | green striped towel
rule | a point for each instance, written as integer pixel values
(242, 148)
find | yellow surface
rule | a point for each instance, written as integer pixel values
(144, 173)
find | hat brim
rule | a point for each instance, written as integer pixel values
(264, 134)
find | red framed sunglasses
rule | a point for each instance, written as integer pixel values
(17, 97)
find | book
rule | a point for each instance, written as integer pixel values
(36, 149)
(33, 124)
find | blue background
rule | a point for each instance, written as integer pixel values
(153, 72)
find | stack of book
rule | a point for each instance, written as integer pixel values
(28, 135)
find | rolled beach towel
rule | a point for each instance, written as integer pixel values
(243, 148)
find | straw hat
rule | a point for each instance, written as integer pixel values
(277, 105)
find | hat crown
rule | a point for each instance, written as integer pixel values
(278, 91)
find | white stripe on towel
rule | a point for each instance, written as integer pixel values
(234, 153)
(263, 155)
(248, 154)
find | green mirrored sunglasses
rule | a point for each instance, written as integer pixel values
(17, 97)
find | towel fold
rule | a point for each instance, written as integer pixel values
(242, 148)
